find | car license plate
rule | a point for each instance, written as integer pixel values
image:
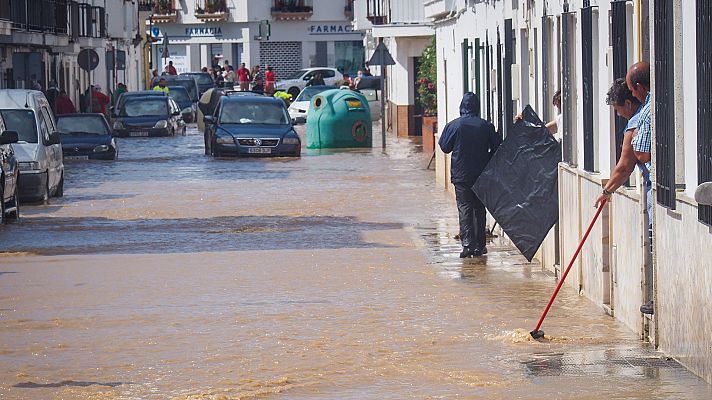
(259, 150)
(76, 157)
(139, 133)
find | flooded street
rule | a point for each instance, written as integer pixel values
(171, 275)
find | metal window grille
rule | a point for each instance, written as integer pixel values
(465, 66)
(568, 52)
(619, 39)
(704, 101)
(587, 78)
(500, 83)
(664, 107)
(546, 42)
(488, 72)
(477, 70)
(507, 76)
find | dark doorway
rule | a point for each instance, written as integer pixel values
(417, 129)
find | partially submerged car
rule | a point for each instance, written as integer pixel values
(149, 116)
(245, 125)
(182, 98)
(38, 150)
(86, 137)
(9, 176)
(294, 83)
(300, 106)
(203, 79)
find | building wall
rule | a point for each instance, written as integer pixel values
(610, 268)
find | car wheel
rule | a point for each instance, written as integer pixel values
(294, 92)
(60, 187)
(3, 220)
(16, 203)
(45, 194)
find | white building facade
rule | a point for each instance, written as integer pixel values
(401, 25)
(40, 40)
(519, 52)
(284, 35)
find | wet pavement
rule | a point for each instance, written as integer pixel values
(171, 275)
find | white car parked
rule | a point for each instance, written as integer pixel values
(38, 150)
(294, 83)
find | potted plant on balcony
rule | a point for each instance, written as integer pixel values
(427, 92)
(163, 7)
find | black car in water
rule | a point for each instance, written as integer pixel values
(149, 116)
(129, 95)
(9, 189)
(251, 126)
(188, 108)
(188, 82)
(86, 137)
(203, 79)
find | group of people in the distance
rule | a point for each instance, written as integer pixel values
(93, 99)
(254, 80)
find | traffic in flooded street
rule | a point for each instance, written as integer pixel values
(171, 274)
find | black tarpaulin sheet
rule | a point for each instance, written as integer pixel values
(519, 186)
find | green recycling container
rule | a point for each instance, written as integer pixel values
(338, 118)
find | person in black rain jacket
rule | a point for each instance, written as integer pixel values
(472, 142)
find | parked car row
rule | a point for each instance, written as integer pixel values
(34, 144)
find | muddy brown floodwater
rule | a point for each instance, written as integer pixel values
(170, 275)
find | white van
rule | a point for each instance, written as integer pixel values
(38, 151)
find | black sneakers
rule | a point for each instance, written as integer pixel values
(647, 308)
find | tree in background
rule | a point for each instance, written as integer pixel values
(427, 77)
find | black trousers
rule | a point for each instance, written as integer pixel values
(472, 217)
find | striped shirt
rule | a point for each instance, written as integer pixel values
(642, 141)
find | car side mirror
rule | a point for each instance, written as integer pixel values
(8, 137)
(54, 138)
(208, 119)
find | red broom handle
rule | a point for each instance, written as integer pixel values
(563, 277)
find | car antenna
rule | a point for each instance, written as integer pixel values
(27, 100)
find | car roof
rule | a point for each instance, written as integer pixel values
(251, 99)
(136, 99)
(179, 88)
(144, 93)
(18, 98)
(82, 115)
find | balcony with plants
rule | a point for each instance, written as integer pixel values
(292, 10)
(211, 10)
(164, 11)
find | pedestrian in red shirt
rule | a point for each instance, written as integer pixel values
(270, 80)
(244, 77)
(171, 69)
(99, 100)
(64, 104)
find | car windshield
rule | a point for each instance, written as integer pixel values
(145, 108)
(203, 79)
(90, 125)
(188, 83)
(23, 122)
(235, 112)
(311, 91)
(179, 94)
(297, 74)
